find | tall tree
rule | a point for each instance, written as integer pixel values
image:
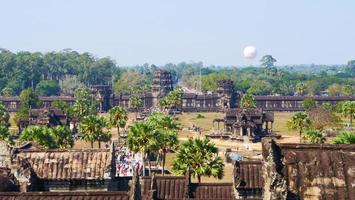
(348, 110)
(118, 118)
(267, 61)
(84, 104)
(299, 121)
(29, 99)
(168, 128)
(300, 88)
(201, 156)
(143, 139)
(91, 128)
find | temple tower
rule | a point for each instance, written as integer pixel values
(227, 94)
(162, 85)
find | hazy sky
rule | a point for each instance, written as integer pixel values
(161, 31)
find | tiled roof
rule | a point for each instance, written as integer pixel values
(168, 187)
(213, 191)
(64, 196)
(91, 164)
(250, 174)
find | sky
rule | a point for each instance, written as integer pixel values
(162, 31)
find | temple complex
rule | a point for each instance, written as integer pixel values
(286, 171)
(224, 98)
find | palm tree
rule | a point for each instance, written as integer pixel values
(168, 128)
(348, 110)
(39, 134)
(91, 128)
(248, 101)
(299, 121)
(63, 136)
(118, 118)
(201, 156)
(300, 87)
(345, 137)
(142, 138)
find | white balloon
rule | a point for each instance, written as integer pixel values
(249, 52)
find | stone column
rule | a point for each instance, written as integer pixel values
(249, 132)
(241, 131)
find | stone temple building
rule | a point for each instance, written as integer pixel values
(254, 123)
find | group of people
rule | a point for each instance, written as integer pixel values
(127, 162)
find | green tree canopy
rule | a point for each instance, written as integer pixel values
(118, 119)
(48, 88)
(201, 156)
(84, 104)
(144, 139)
(91, 128)
(299, 121)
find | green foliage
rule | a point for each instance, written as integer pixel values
(50, 138)
(315, 136)
(267, 61)
(200, 156)
(48, 88)
(144, 139)
(84, 104)
(309, 103)
(29, 99)
(118, 118)
(327, 106)
(345, 137)
(59, 104)
(248, 101)
(39, 134)
(130, 80)
(63, 136)
(300, 88)
(4, 132)
(335, 89)
(167, 132)
(348, 110)
(24, 69)
(135, 101)
(173, 98)
(91, 128)
(7, 91)
(4, 115)
(299, 121)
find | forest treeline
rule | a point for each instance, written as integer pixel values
(55, 73)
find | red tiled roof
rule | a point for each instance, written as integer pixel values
(64, 196)
(90, 164)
